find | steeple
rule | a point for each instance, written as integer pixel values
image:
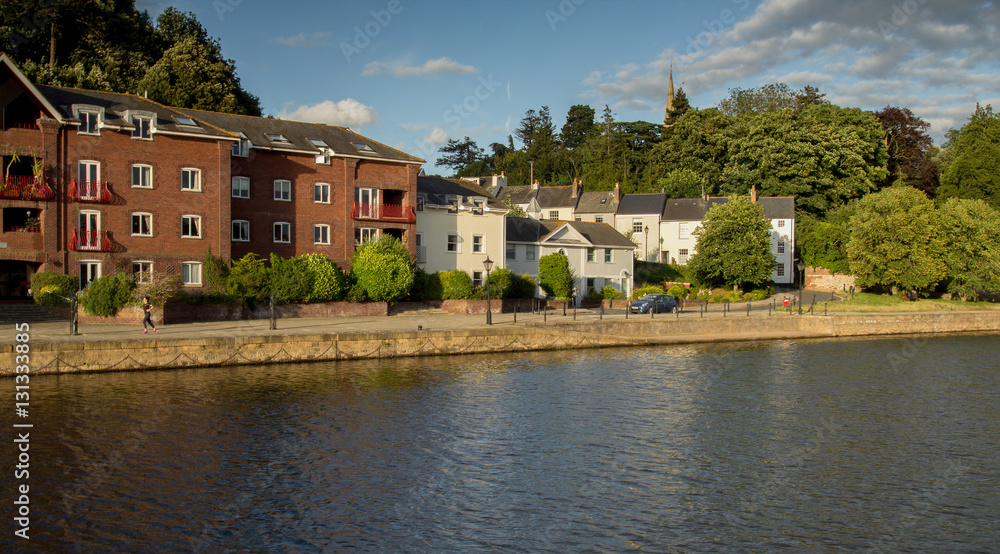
(670, 100)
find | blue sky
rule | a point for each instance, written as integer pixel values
(414, 73)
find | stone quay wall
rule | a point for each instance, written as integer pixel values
(152, 353)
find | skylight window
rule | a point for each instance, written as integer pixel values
(184, 120)
(363, 147)
(604, 200)
(276, 137)
(318, 143)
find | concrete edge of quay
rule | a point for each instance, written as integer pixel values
(152, 353)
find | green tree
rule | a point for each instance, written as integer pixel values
(895, 241)
(734, 246)
(460, 155)
(697, 144)
(971, 231)
(107, 295)
(329, 281)
(975, 157)
(248, 278)
(290, 279)
(555, 276)
(774, 97)
(579, 126)
(216, 272)
(909, 150)
(822, 242)
(456, 285)
(383, 269)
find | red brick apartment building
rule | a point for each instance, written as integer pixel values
(97, 182)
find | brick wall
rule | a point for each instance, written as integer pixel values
(820, 278)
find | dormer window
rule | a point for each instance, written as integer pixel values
(276, 137)
(477, 207)
(89, 122)
(143, 127)
(241, 149)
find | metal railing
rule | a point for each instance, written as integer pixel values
(88, 191)
(25, 187)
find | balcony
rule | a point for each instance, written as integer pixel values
(25, 187)
(89, 191)
(383, 212)
(89, 240)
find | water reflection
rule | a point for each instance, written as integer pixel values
(815, 445)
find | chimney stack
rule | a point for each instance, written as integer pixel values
(753, 193)
(573, 193)
(535, 185)
(618, 193)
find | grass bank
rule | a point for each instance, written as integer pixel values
(866, 302)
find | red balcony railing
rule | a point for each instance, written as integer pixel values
(21, 187)
(383, 212)
(90, 240)
(88, 191)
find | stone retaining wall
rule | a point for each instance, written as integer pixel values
(152, 353)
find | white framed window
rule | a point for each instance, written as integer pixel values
(90, 271)
(781, 270)
(365, 234)
(321, 193)
(452, 204)
(89, 229)
(682, 256)
(142, 224)
(577, 218)
(241, 187)
(781, 223)
(781, 247)
(191, 179)
(636, 224)
(511, 251)
(241, 148)
(241, 230)
(553, 214)
(191, 274)
(478, 244)
(591, 254)
(591, 285)
(683, 230)
(142, 271)
(283, 190)
(477, 278)
(89, 122)
(321, 234)
(420, 203)
(282, 232)
(143, 127)
(142, 176)
(454, 243)
(191, 226)
(598, 219)
(608, 255)
(88, 171)
(529, 252)
(477, 207)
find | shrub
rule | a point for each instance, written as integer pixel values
(678, 291)
(646, 289)
(434, 288)
(611, 293)
(216, 272)
(501, 283)
(248, 278)
(107, 295)
(49, 288)
(290, 279)
(759, 294)
(159, 289)
(456, 285)
(357, 294)
(384, 269)
(555, 276)
(329, 281)
(522, 286)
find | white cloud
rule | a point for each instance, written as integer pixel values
(437, 136)
(430, 67)
(303, 40)
(347, 112)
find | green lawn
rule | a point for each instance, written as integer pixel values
(865, 302)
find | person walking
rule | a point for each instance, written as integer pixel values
(147, 309)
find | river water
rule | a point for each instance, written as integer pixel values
(811, 445)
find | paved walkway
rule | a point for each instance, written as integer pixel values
(59, 331)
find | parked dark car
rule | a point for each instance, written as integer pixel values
(657, 302)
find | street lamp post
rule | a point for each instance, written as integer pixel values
(488, 265)
(645, 245)
(802, 280)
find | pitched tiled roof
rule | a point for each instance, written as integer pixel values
(437, 190)
(525, 229)
(520, 194)
(597, 202)
(599, 234)
(694, 209)
(640, 204)
(556, 197)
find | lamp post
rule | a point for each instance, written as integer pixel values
(488, 265)
(645, 245)
(802, 280)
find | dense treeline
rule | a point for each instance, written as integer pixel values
(111, 46)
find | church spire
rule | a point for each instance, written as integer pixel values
(668, 113)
